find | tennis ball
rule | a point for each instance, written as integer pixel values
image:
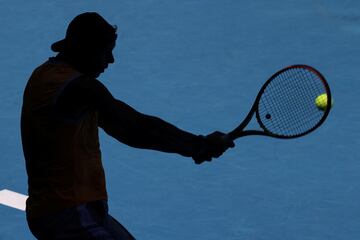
(321, 101)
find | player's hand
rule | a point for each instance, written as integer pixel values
(215, 144)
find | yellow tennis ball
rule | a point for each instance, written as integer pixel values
(321, 102)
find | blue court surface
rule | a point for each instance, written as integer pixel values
(199, 65)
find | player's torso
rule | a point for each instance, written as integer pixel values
(63, 157)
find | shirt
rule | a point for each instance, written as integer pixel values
(61, 113)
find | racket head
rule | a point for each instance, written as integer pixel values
(285, 106)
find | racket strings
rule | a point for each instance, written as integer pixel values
(287, 105)
(303, 117)
(297, 108)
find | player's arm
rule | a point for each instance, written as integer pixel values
(133, 128)
(144, 131)
(139, 130)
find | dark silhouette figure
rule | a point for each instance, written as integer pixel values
(63, 106)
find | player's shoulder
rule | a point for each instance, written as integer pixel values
(90, 83)
(93, 88)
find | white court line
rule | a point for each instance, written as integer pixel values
(13, 199)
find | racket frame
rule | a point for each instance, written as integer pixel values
(239, 130)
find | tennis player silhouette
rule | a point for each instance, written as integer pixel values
(63, 107)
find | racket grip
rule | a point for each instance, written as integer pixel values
(228, 140)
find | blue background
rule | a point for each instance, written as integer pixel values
(199, 64)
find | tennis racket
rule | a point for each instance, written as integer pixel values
(285, 105)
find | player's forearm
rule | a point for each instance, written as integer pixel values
(160, 135)
(148, 132)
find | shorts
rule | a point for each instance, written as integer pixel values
(83, 222)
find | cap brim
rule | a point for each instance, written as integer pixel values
(58, 46)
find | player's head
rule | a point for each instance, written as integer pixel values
(88, 44)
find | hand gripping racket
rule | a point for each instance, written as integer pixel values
(285, 105)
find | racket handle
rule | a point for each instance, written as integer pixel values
(234, 134)
(228, 140)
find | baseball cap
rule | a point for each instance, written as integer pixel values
(86, 29)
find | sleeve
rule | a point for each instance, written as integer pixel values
(129, 126)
